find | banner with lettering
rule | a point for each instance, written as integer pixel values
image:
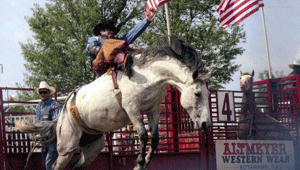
(254, 154)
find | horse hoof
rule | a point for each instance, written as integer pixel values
(138, 167)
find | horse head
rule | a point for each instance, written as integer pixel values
(194, 99)
(246, 81)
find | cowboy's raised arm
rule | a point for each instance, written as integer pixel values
(132, 35)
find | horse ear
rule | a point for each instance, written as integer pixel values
(206, 77)
(241, 72)
(195, 74)
(252, 74)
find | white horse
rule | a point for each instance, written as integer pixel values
(153, 69)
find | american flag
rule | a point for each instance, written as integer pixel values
(155, 4)
(234, 11)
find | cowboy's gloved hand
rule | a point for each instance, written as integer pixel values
(150, 13)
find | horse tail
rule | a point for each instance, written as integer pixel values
(46, 129)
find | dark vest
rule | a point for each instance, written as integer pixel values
(102, 38)
(95, 47)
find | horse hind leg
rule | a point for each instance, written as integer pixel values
(62, 161)
(67, 143)
(138, 124)
(143, 136)
(91, 146)
(65, 151)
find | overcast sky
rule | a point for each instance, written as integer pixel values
(282, 25)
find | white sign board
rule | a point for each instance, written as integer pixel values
(226, 112)
(254, 154)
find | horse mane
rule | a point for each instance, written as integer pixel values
(178, 49)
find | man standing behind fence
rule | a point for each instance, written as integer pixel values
(296, 70)
(296, 67)
(45, 111)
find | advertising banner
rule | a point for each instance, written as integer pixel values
(254, 154)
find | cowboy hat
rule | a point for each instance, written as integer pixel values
(106, 25)
(296, 63)
(44, 85)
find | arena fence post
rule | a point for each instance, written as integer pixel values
(2, 141)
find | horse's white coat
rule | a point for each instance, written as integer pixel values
(143, 92)
(147, 88)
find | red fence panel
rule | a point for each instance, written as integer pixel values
(177, 136)
(2, 139)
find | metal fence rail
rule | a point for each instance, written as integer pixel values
(275, 98)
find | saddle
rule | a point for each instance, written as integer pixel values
(113, 56)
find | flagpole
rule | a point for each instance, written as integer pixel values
(168, 22)
(266, 39)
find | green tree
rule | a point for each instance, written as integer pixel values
(63, 27)
(265, 74)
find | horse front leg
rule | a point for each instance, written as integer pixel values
(140, 162)
(137, 122)
(153, 119)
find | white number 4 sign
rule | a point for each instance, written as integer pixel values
(226, 112)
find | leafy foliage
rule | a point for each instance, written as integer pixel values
(265, 74)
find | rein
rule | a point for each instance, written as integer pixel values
(114, 77)
(117, 91)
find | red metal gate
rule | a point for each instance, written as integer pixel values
(180, 147)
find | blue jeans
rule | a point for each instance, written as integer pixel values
(49, 155)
